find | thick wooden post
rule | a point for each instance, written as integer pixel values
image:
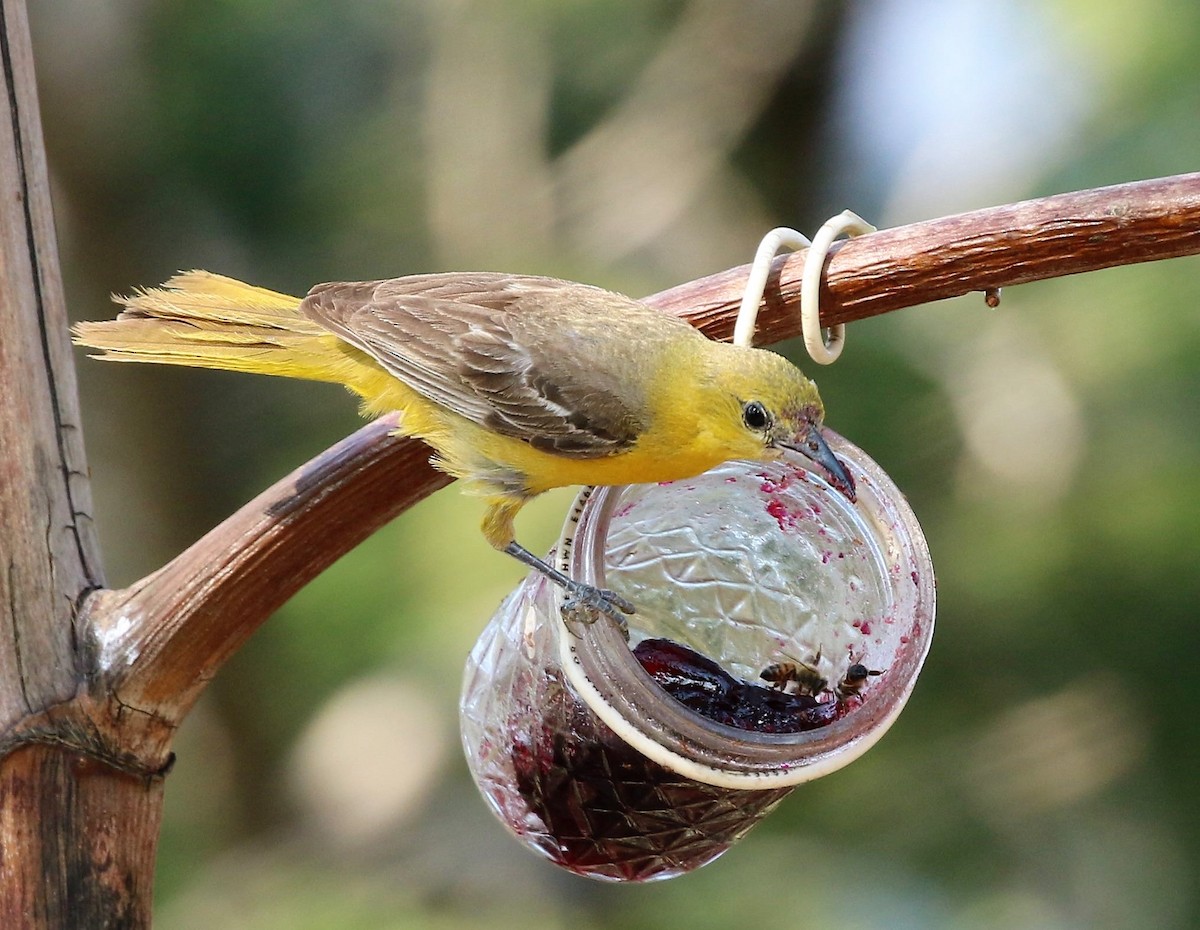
(77, 833)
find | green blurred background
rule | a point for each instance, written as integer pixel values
(1044, 774)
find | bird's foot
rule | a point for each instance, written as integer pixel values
(585, 603)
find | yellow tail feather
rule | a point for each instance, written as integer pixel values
(205, 320)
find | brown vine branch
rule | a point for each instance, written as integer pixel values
(948, 257)
(161, 639)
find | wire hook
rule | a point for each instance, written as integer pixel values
(823, 352)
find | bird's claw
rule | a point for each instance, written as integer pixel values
(585, 603)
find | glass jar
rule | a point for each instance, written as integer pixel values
(763, 568)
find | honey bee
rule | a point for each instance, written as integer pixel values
(808, 680)
(856, 676)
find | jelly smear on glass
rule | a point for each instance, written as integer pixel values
(608, 812)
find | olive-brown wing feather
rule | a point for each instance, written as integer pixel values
(499, 350)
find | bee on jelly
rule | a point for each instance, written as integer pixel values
(808, 679)
(855, 678)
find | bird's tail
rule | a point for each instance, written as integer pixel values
(206, 320)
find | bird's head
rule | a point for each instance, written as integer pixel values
(779, 408)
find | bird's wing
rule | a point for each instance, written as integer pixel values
(499, 350)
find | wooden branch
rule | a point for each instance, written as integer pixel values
(948, 257)
(164, 637)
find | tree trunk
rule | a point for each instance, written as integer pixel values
(78, 822)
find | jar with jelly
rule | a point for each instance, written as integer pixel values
(778, 632)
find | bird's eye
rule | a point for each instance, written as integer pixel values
(755, 416)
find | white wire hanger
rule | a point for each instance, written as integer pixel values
(823, 348)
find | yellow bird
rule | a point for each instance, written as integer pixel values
(520, 383)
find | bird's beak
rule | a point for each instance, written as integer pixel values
(812, 445)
